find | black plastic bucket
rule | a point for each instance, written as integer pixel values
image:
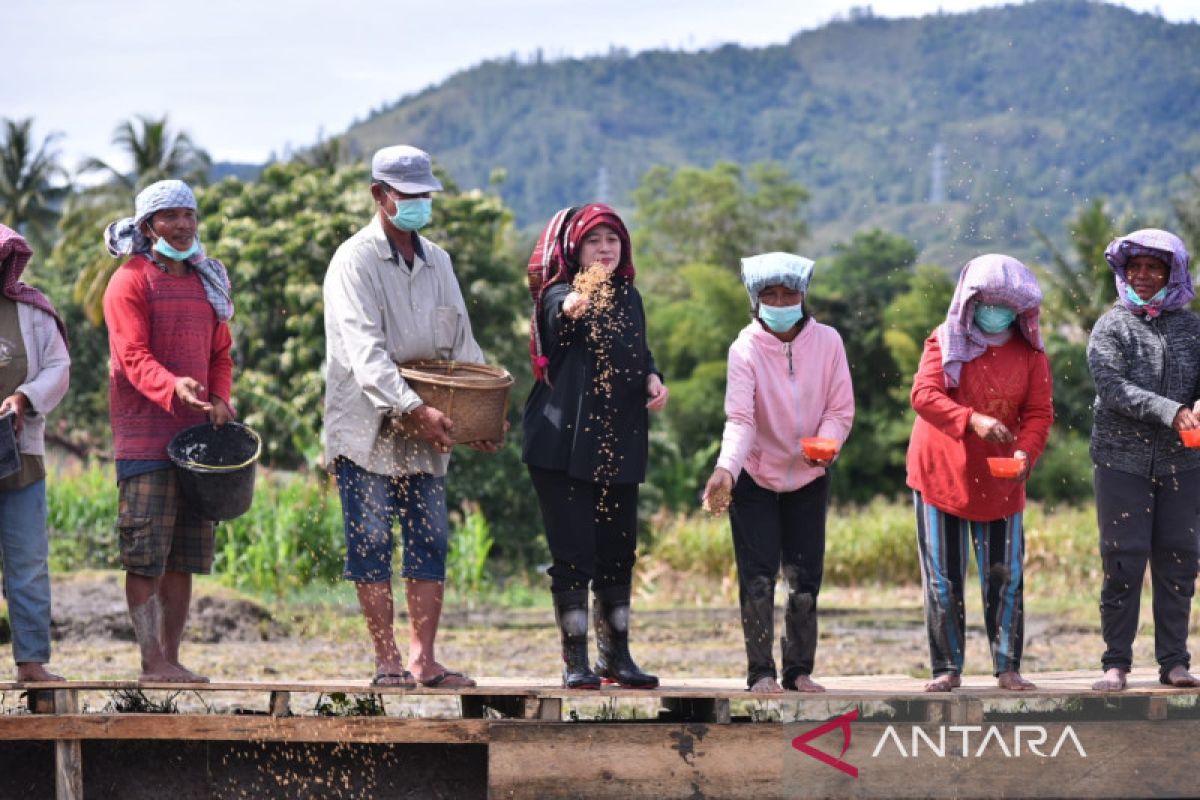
(217, 467)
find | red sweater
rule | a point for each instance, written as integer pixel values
(947, 463)
(160, 328)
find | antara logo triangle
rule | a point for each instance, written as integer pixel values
(801, 742)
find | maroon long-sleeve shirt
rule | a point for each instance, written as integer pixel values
(161, 328)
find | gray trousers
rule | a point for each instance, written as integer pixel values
(1155, 521)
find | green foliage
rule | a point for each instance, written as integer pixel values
(470, 545)
(876, 543)
(32, 183)
(82, 518)
(852, 292)
(715, 216)
(1080, 288)
(291, 536)
(1064, 472)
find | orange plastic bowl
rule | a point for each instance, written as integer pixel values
(1190, 438)
(1005, 467)
(819, 448)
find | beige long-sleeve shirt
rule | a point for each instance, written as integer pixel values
(378, 314)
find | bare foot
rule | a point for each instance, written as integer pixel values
(805, 683)
(166, 672)
(766, 685)
(944, 683)
(1113, 681)
(1014, 682)
(32, 672)
(1179, 676)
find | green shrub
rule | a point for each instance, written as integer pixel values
(82, 517)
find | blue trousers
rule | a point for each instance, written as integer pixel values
(945, 543)
(25, 552)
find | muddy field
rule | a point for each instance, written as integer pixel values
(234, 638)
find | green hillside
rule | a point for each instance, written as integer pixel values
(1036, 109)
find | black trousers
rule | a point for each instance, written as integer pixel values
(591, 529)
(1155, 521)
(770, 530)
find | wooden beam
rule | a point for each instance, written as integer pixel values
(757, 760)
(230, 727)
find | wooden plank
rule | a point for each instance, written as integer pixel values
(68, 756)
(229, 727)
(639, 760)
(853, 688)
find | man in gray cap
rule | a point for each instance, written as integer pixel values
(391, 296)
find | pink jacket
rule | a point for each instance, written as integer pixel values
(778, 393)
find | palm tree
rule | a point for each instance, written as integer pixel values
(155, 153)
(32, 182)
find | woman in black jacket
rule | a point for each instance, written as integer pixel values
(585, 431)
(1144, 355)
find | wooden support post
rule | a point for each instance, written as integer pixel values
(549, 708)
(68, 760)
(697, 709)
(281, 704)
(1157, 708)
(967, 711)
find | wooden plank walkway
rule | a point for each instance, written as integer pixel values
(521, 724)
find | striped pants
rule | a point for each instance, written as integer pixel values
(945, 543)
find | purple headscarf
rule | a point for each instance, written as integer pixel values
(1167, 248)
(14, 255)
(997, 280)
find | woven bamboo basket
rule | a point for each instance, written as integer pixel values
(474, 396)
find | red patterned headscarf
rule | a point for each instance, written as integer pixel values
(554, 260)
(14, 255)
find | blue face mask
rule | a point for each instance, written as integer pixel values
(780, 318)
(993, 319)
(162, 248)
(412, 215)
(1133, 296)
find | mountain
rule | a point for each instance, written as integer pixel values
(958, 130)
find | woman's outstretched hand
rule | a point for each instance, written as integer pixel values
(718, 492)
(989, 429)
(575, 306)
(1186, 420)
(657, 392)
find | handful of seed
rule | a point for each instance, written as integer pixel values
(592, 282)
(717, 501)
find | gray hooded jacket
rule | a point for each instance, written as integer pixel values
(1145, 368)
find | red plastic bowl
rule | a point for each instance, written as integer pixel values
(1005, 467)
(1190, 438)
(819, 448)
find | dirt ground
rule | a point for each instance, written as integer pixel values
(234, 638)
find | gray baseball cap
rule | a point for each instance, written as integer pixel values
(406, 169)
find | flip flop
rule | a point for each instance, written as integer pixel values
(396, 680)
(439, 680)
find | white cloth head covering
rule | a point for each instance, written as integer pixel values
(771, 269)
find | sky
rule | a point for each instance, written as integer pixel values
(251, 78)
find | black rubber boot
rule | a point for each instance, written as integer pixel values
(614, 664)
(800, 643)
(571, 614)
